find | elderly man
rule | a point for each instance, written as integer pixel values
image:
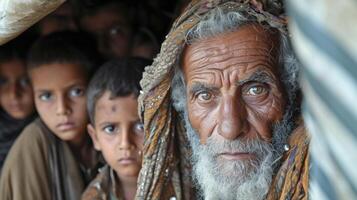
(227, 69)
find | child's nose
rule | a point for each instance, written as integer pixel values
(14, 91)
(62, 106)
(125, 140)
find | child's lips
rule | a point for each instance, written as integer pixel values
(15, 107)
(127, 161)
(65, 126)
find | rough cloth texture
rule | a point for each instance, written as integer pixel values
(103, 187)
(18, 15)
(292, 178)
(10, 129)
(40, 166)
(325, 40)
(166, 150)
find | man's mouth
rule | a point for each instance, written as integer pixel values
(237, 156)
(65, 126)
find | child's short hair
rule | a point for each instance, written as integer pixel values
(16, 49)
(119, 77)
(64, 47)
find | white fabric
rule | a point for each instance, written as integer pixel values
(18, 15)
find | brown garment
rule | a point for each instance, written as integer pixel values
(40, 167)
(103, 187)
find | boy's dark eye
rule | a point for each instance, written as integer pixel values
(2, 80)
(76, 92)
(109, 129)
(24, 82)
(45, 96)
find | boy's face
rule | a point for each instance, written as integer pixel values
(16, 96)
(111, 31)
(60, 99)
(118, 133)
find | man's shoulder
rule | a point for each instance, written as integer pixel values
(98, 187)
(292, 179)
(300, 137)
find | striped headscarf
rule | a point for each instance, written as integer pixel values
(166, 167)
(325, 39)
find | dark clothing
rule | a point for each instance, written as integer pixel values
(10, 129)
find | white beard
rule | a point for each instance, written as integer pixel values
(229, 180)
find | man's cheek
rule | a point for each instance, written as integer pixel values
(201, 121)
(259, 123)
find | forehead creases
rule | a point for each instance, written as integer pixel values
(204, 57)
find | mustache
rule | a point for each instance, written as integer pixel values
(216, 146)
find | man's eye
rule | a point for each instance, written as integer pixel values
(256, 90)
(46, 96)
(139, 128)
(76, 92)
(110, 129)
(204, 96)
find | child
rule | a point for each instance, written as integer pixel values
(116, 129)
(144, 44)
(53, 158)
(16, 98)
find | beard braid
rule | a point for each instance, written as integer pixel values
(218, 178)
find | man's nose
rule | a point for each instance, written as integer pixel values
(232, 118)
(63, 107)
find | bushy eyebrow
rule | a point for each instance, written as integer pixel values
(196, 87)
(258, 76)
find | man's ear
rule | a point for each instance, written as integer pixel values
(93, 135)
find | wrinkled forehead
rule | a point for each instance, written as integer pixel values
(245, 47)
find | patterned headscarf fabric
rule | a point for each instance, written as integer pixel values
(166, 152)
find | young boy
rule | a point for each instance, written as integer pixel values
(53, 158)
(115, 128)
(16, 98)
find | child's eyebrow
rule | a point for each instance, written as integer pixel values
(71, 85)
(104, 123)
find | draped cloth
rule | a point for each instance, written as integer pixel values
(18, 15)
(325, 39)
(104, 186)
(166, 169)
(41, 166)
